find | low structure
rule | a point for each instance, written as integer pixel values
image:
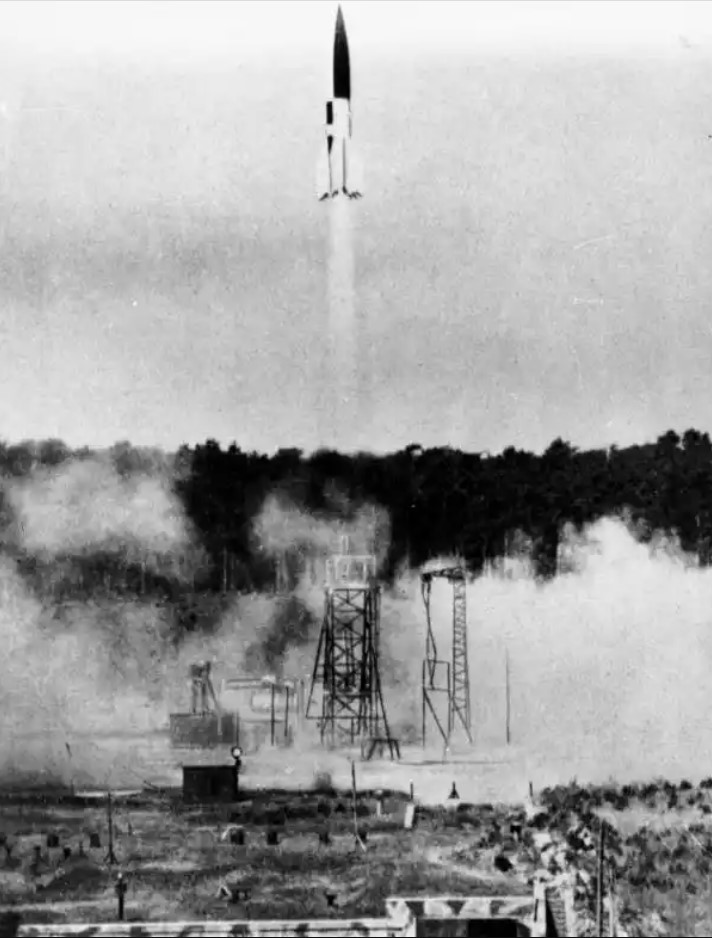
(537, 915)
(365, 928)
(203, 784)
(249, 712)
(207, 724)
(270, 710)
(203, 730)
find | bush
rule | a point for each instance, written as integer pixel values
(323, 783)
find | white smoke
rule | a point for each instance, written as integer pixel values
(85, 667)
(342, 394)
(85, 506)
(609, 663)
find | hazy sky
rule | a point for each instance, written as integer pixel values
(532, 255)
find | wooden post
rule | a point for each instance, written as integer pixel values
(353, 793)
(110, 855)
(507, 701)
(120, 892)
(272, 716)
(613, 918)
(449, 706)
(599, 880)
(422, 701)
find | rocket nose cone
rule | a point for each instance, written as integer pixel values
(342, 68)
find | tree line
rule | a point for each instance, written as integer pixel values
(441, 501)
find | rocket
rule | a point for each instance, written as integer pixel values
(338, 120)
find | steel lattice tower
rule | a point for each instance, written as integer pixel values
(347, 668)
(460, 703)
(440, 676)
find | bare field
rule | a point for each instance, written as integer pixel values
(175, 858)
(181, 862)
(187, 862)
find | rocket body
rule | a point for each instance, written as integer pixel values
(339, 123)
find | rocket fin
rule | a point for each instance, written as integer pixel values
(354, 176)
(324, 181)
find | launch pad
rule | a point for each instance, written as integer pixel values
(347, 667)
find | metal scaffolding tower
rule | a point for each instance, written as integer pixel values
(440, 676)
(347, 668)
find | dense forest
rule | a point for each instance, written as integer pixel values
(440, 500)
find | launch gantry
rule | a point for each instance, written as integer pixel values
(440, 676)
(347, 666)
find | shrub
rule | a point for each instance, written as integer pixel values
(323, 783)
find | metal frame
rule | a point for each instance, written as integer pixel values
(440, 676)
(292, 691)
(347, 664)
(202, 690)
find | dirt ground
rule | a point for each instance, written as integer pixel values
(179, 862)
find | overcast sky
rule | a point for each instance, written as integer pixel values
(532, 252)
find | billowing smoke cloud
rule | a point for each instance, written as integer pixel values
(292, 625)
(72, 673)
(83, 668)
(609, 663)
(281, 526)
(85, 507)
(284, 531)
(79, 675)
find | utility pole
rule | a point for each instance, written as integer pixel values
(612, 912)
(599, 880)
(110, 855)
(507, 701)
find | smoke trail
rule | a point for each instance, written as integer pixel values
(6, 131)
(342, 396)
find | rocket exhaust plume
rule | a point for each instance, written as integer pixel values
(342, 326)
(6, 129)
